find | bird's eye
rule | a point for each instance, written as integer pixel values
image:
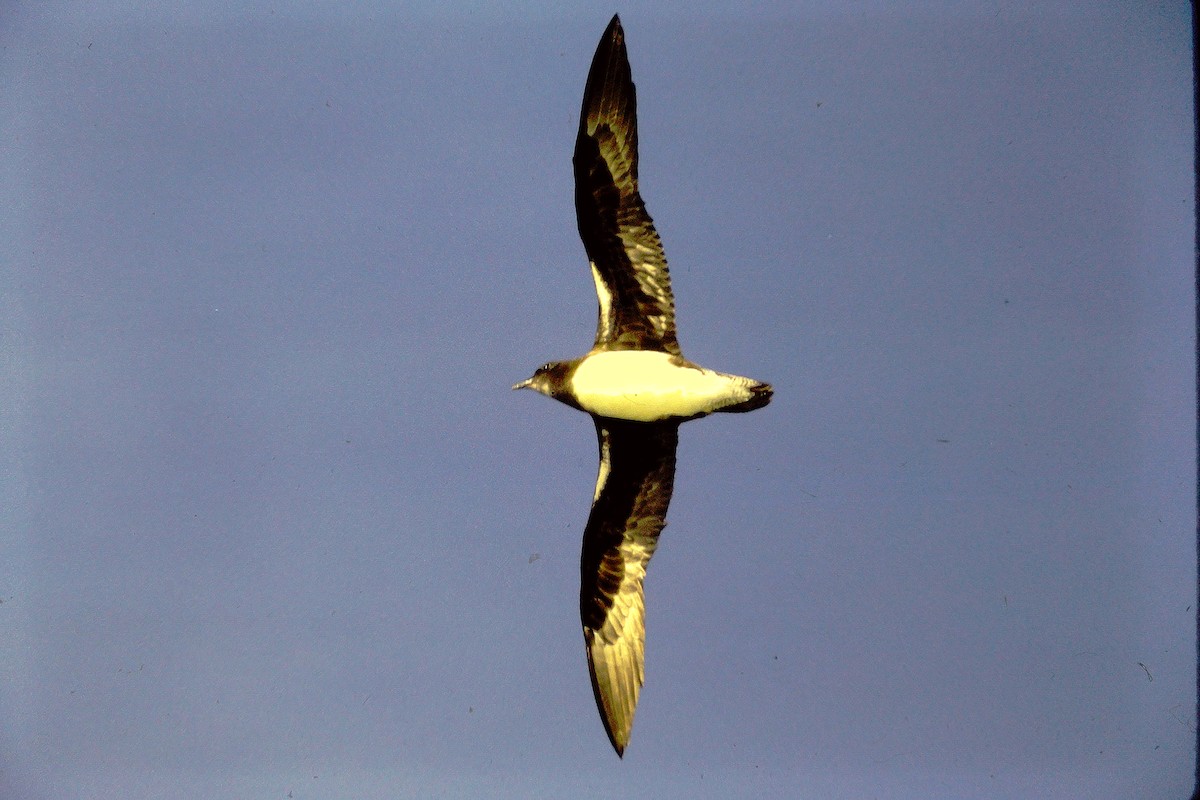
(545, 367)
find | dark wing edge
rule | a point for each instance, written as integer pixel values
(637, 308)
(633, 489)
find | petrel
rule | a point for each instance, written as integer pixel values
(634, 382)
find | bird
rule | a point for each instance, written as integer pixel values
(634, 382)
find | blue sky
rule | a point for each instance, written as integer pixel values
(274, 524)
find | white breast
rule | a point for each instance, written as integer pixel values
(647, 386)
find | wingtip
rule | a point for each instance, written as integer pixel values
(618, 739)
(614, 33)
(617, 744)
(617, 731)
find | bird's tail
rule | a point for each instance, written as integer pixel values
(760, 395)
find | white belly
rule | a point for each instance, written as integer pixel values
(647, 386)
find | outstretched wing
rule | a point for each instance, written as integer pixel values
(629, 509)
(637, 309)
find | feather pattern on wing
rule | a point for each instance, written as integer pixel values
(633, 489)
(637, 308)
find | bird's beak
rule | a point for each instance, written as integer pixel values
(525, 384)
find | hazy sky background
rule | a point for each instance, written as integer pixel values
(273, 525)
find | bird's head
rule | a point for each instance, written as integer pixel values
(550, 379)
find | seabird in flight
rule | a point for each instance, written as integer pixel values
(634, 382)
